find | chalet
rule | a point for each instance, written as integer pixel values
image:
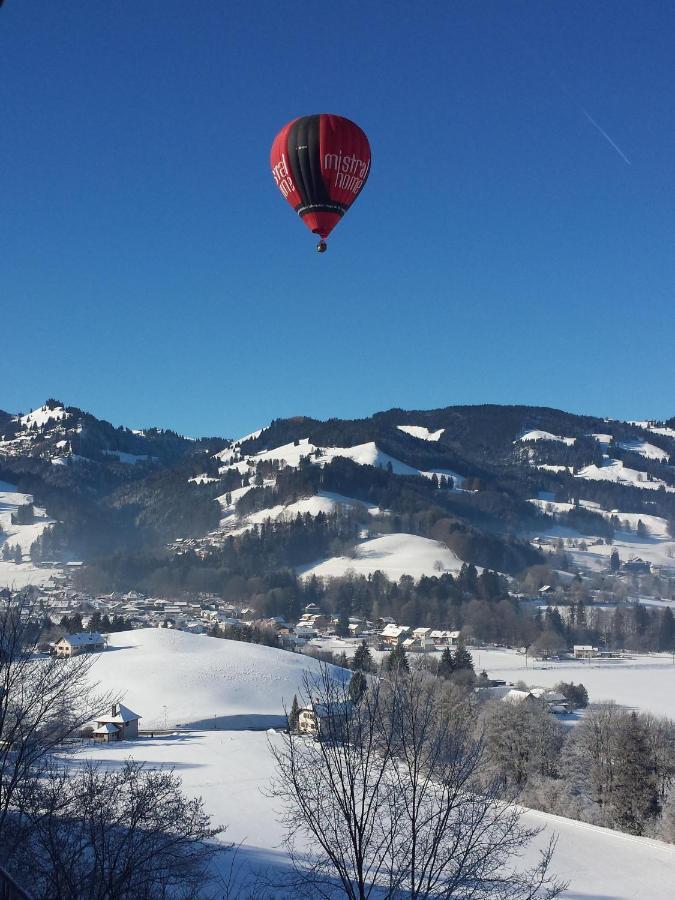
(420, 641)
(119, 724)
(394, 634)
(74, 644)
(314, 620)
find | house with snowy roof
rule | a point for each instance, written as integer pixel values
(120, 724)
(445, 638)
(553, 701)
(394, 634)
(85, 642)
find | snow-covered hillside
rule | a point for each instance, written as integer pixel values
(368, 454)
(232, 772)
(538, 435)
(219, 687)
(615, 470)
(653, 543)
(197, 681)
(394, 555)
(13, 574)
(419, 431)
(324, 502)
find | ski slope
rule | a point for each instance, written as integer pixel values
(196, 681)
(394, 555)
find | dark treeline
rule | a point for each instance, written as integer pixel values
(254, 569)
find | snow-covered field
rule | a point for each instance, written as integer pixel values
(18, 575)
(232, 770)
(197, 681)
(644, 682)
(393, 554)
(195, 677)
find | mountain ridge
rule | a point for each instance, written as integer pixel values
(481, 479)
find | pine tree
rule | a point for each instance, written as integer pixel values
(634, 798)
(446, 665)
(463, 660)
(397, 660)
(342, 627)
(357, 686)
(294, 715)
(362, 660)
(614, 561)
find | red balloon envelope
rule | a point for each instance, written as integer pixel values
(320, 164)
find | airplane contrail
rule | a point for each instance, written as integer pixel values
(604, 134)
(561, 84)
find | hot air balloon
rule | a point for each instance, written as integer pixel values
(320, 164)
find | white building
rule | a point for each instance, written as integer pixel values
(118, 725)
(86, 642)
(584, 651)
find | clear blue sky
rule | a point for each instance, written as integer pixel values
(504, 249)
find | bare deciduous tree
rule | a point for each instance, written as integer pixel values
(390, 801)
(97, 834)
(43, 702)
(80, 831)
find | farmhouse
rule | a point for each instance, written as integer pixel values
(322, 720)
(86, 642)
(553, 701)
(118, 725)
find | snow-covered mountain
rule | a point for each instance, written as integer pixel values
(402, 492)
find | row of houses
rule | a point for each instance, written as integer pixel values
(201, 614)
